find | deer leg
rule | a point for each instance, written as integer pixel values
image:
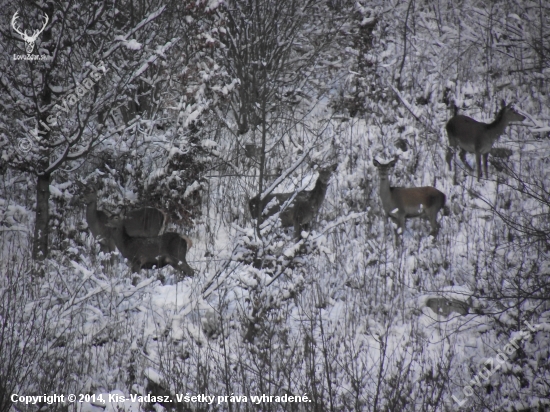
(297, 230)
(109, 263)
(400, 222)
(394, 220)
(398, 239)
(462, 156)
(300, 220)
(181, 266)
(434, 224)
(449, 157)
(485, 159)
(136, 266)
(105, 250)
(478, 163)
(161, 277)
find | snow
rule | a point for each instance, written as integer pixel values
(340, 315)
(208, 143)
(191, 188)
(132, 44)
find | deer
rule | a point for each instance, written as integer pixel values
(477, 137)
(444, 306)
(400, 203)
(147, 221)
(303, 208)
(169, 248)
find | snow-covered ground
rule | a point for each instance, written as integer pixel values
(345, 319)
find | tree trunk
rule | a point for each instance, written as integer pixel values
(41, 230)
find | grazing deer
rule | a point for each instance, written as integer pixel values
(303, 208)
(477, 137)
(156, 251)
(145, 222)
(400, 203)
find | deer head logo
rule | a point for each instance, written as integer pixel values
(29, 40)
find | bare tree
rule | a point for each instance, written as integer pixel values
(278, 51)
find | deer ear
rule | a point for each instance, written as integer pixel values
(503, 103)
(375, 162)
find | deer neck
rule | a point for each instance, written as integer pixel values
(385, 193)
(319, 191)
(91, 214)
(496, 128)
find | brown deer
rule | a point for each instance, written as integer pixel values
(477, 137)
(156, 251)
(145, 222)
(400, 203)
(302, 209)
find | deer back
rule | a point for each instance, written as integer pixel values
(144, 222)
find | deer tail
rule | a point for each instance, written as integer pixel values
(188, 241)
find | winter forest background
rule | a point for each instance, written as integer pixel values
(202, 105)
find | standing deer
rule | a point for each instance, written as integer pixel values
(400, 203)
(303, 208)
(147, 252)
(147, 221)
(477, 137)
